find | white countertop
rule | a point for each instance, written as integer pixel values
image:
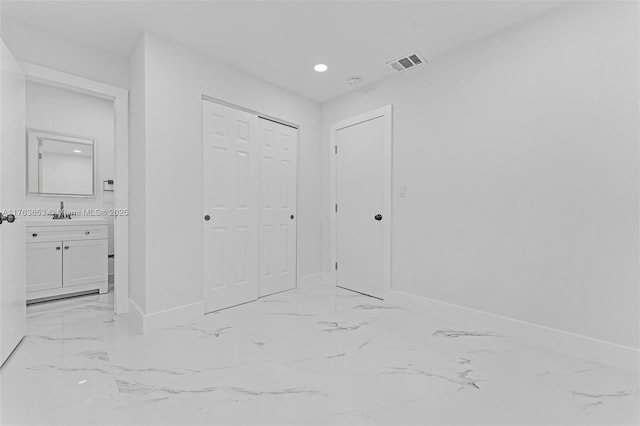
(76, 220)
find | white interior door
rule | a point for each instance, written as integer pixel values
(12, 188)
(277, 207)
(230, 211)
(360, 216)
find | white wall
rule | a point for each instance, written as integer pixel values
(58, 110)
(38, 46)
(520, 158)
(175, 78)
(137, 179)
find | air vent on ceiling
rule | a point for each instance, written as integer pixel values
(406, 62)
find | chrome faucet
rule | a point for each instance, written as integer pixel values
(61, 214)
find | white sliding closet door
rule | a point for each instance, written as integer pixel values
(277, 207)
(230, 206)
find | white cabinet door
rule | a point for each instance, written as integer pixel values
(277, 207)
(44, 266)
(229, 200)
(84, 262)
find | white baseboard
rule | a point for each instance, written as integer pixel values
(146, 323)
(608, 353)
(136, 317)
(317, 278)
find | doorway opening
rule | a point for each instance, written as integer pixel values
(76, 189)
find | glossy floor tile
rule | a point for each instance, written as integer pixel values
(316, 355)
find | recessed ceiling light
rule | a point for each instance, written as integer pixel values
(78, 151)
(320, 67)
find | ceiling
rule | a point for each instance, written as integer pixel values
(279, 41)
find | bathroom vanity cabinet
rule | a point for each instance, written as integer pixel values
(66, 256)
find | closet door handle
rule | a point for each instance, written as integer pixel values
(57, 248)
(378, 217)
(66, 247)
(207, 218)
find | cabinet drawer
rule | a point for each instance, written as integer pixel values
(68, 233)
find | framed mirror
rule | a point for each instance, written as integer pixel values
(60, 165)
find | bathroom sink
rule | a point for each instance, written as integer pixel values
(77, 220)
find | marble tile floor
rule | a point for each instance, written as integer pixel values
(314, 355)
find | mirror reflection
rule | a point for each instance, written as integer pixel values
(60, 164)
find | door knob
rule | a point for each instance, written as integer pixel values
(378, 217)
(57, 248)
(8, 218)
(207, 217)
(292, 216)
(66, 247)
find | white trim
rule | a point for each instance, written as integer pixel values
(317, 278)
(135, 317)
(142, 323)
(387, 113)
(572, 344)
(250, 111)
(169, 317)
(120, 98)
(34, 140)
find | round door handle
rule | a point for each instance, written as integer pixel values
(86, 232)
(8, 218)
(207, 217)
(34, 235)
(291, 216)
(378, 217)
(66, 247)
(57, 248)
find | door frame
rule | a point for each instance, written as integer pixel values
(386, 112)
(120, 99)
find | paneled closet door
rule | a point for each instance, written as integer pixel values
(277, 207)
(230, 206)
